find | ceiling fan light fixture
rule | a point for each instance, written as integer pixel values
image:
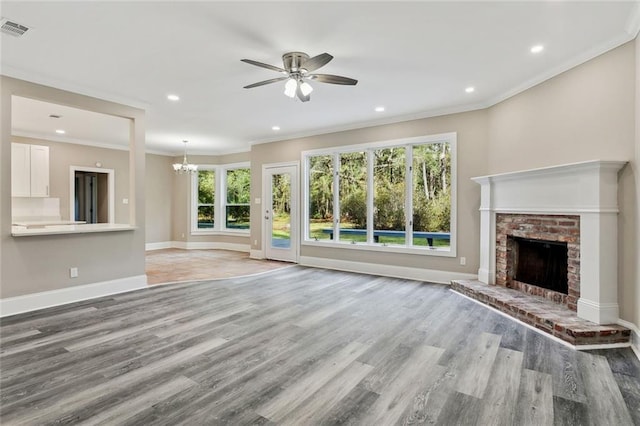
(298, 68)
(305, 88)
(290, 88)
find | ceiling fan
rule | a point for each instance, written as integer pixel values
(298, 71)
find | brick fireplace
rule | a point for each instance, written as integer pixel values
(574, 204)
(555, 277)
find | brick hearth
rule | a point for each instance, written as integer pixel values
(552, 318)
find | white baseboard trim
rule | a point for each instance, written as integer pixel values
(635, 335)
(256, 254)
(485, 276)
(158, 246)
(542, 333)
(600, 313)
(195, 245)
(47, 299)
(419, 274)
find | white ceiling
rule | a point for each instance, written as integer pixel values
(415, 58)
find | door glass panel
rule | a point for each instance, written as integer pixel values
(281, 210)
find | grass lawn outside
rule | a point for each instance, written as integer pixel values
(316, 227)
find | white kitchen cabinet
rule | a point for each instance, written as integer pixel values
(29, 170)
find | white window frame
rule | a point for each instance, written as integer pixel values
(450, 138)
(220, 202)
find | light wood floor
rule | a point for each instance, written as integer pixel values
(302, 346)
(175, 265)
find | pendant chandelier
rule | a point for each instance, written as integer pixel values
(185, 167)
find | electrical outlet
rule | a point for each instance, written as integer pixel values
(125, 201)
(255, 242)
(73, 272)
(463, 261)
(182, 235)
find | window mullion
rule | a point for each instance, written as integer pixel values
(194, 202)
(219, 199)
(408, 190)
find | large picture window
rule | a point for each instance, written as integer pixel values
(397, 196)
(221, 199)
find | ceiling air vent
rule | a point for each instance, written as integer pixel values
(12, 28)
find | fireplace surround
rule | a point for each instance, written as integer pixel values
(584, 194)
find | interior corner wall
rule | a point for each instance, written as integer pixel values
(585, 113)
(37, 264)
(159, 192)
(471, 161)
(636, 171)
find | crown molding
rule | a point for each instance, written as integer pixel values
(64, 139)
(566, 66)
(633, 23)
(45, 80)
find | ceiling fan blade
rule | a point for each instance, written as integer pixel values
(316, 62)
(333, 79)
(301, 96)
(262, 83)
(263, 65)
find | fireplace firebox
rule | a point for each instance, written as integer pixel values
(540, 263)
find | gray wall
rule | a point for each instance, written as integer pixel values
(634, 256)
(159, 188)
(40, 263)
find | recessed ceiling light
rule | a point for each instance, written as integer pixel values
(380, 109)
(470, 89)
(60, 132)
(275, 128)
(537, 48)
(173, 97)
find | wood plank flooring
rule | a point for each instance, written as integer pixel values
(302, 346)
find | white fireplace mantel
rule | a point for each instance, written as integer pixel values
(588, 189)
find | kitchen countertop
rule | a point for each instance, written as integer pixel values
(24, 231)
(41, 223)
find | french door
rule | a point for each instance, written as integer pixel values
(281, 218)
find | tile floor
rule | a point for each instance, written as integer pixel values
(173, 265)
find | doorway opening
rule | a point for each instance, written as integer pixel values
(92, 199)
